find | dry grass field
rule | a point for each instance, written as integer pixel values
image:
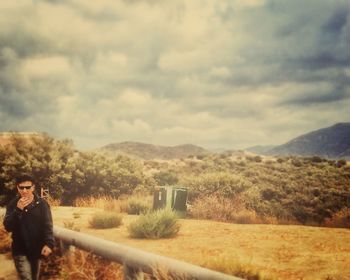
(272, 251)
(276, 251)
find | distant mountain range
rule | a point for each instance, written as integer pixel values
(329, 142)
(149, 151)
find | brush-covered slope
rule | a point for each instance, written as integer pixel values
(149, 151)
(330, 142)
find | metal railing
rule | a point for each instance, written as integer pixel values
(136, 261)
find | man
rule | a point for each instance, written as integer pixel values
(29, 219)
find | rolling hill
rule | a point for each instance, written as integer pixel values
(149, 151)
(329, 142)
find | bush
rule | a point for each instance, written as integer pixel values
(222, 209)
(257, 159)
(201, 157)
(269, 193)
(296, 162)
(158, 224)
(339, 219)
(341, 163)
(105, 220)
(164, 178)
(223, 184)
(316, 159)
(136, 206)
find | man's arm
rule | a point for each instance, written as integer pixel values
(12, 216)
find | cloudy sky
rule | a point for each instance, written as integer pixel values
(228, 73)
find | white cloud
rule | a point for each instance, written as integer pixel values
(220, 72)
(249, 3)
(134, 98)
(47, 67)
(111, 66)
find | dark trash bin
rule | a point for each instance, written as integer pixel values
(173, 197)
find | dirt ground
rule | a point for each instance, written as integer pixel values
(7, 271)
(280, 252)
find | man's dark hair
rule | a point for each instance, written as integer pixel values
(25, 177)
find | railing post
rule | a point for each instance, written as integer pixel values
(131, 273)
(67, 251)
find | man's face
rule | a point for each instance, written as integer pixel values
(25, 188)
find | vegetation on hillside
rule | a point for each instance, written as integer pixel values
(309, 190)
(149, 151)
(68, 173)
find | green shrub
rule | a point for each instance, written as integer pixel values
(158, 224)
(105, 220)
(219, 183)
(201, 157)
(257, 159)
(341, 163)
(296, 162)
(269, 193)
(316, 159)
(339, 219)
(165, 178)
(135, 206)
(222, 209)
(254, 158)
(249, 158)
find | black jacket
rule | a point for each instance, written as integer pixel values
(31, 227)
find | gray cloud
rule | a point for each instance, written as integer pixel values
(23, 43)
(336, 95)
(337, 20)
(227, 73)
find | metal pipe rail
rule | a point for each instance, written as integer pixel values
(135, 260)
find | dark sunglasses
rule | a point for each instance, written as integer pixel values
(24, 187)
